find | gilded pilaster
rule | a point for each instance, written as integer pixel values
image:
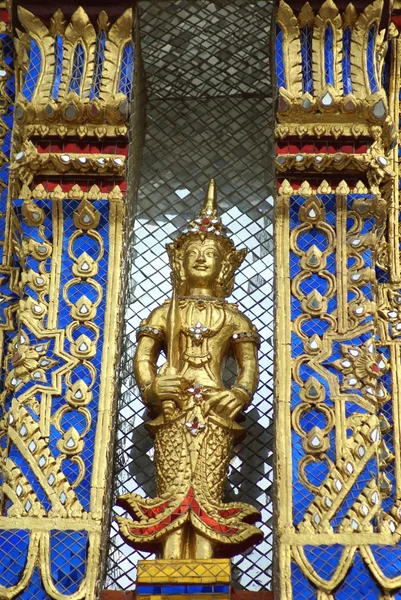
(65, 219)
(337, 263)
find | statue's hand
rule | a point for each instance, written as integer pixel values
(226, 404)
(168, 388)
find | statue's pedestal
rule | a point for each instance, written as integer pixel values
(203, 579)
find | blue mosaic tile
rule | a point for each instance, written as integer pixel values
(127, 70)
(58, 65)
(33, 72)
(314, 283)
(358, 584)
(148, 589)
(317, 472)
(371, 60)
(302, 588)
(98, 67)
(352, 408)
(296, 309)
(346, 61)
(313, 418)
(295, 398)
(306, 51)
(312, 237)
(370, 472)
(328, 55)
(13, 555)
(68, 554)
(324, 559)
(315, 325)
(302, 497)
(34, 590)
(174, 589)
(381, 275)
(8, 49)
(77, 69)
(280, 67)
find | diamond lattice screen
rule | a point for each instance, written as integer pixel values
(209, 113)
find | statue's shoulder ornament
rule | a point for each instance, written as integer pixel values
(244, 330)
(155, 325)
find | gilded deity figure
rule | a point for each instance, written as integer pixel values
(194, 416)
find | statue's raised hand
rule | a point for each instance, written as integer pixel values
(168, 388)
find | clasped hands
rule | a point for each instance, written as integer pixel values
(168, 389)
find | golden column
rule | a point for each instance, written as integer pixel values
(337, 269)
(64, 234)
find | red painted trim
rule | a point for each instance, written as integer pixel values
(51, 146)
(105, 185)
(321, 147)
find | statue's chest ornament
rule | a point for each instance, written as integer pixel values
(198, 329)
(198, 333)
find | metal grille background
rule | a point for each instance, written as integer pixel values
(209, 113)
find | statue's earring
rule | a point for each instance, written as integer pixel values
(223, 273)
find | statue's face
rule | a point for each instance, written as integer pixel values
(202, 263)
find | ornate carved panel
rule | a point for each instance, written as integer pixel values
(338, 521)
(63, 236)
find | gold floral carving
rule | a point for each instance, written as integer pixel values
(357, 373)
(28, 162)
(292, 55)
(72, 113)
(328, 16)
(362, 366)
(370, 17)
(327, 111)
(48, 363)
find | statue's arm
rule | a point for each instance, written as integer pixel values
(246, 355)
(158, 390)
(145, 363)
(150, 336)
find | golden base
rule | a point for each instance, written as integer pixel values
(202, 579)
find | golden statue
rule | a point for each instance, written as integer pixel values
(194, 415)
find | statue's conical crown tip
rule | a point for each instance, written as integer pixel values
(211, 198)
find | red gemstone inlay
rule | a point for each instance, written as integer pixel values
(202, 228)
(375, 368)
(16, 358)
(206, 221)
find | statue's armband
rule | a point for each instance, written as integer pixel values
(156, 333)
(246, 336)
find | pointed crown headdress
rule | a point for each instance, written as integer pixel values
(207, 225)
